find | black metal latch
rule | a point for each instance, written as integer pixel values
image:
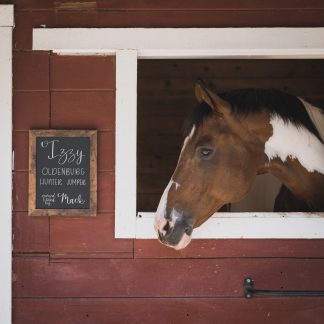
(250, 291)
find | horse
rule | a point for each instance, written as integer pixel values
(232, 137)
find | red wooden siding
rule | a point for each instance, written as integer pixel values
(72, 270)
(215, 277)
(75, 237)
(168, 311)
(30, 234)
(31, 109)
(110, 13)
(83, 96)
(233, 249)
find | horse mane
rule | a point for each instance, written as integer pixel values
(249, 101)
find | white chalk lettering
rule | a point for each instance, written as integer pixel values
(70, 201)
(48, 199)
(46, 171)
(63, 155)
(50, 182)
(76, 182)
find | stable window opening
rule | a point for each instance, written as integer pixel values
(165, 98)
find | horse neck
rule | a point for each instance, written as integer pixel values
(306, 186)
(296, 156)
(292, 154)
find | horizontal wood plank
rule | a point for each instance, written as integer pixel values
(31, 4)
(25, 20)
(158, 164)
(162, 5)
(87, 237)
(31, 70)
(162, 126)
(31, 110)
(20, 148)
(166, 104)
(148, 184)
(168, 310)
(30, 234)
(182, 86)
(20, 191)
(148, 144)
(83, 110)
(82, 73)
(224, 68)
(206, 5)
(36, 277)
(106, 191)
(148, 202)
(233, 248)
(181, 105)
(106, 151)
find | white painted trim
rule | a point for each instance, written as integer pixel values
(126, 135)
(6, 15)
(204, 54)
(6, 25)
(247, 225)
(185, 42)
(150, 43)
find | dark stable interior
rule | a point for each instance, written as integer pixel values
(166, 97)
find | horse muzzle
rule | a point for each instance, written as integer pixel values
(173, 230)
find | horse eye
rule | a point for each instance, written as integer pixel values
(205, 152)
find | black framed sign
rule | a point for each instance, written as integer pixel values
(62, 172)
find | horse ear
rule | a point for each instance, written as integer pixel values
(203, 94)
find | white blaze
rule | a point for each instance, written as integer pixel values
(160, 220)
(288, 140)
(192, 132)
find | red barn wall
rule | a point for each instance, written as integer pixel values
(71, 269)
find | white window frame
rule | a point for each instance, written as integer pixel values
(130, 44)
(6, 27)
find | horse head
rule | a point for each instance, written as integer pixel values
(230, 139)
(218, 163)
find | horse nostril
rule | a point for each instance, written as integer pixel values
(166, 228)
(188, 230)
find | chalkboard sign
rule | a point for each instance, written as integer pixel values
(62, 174)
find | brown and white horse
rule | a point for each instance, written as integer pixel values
(231, 138)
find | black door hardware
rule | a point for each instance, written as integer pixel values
(250, 291)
